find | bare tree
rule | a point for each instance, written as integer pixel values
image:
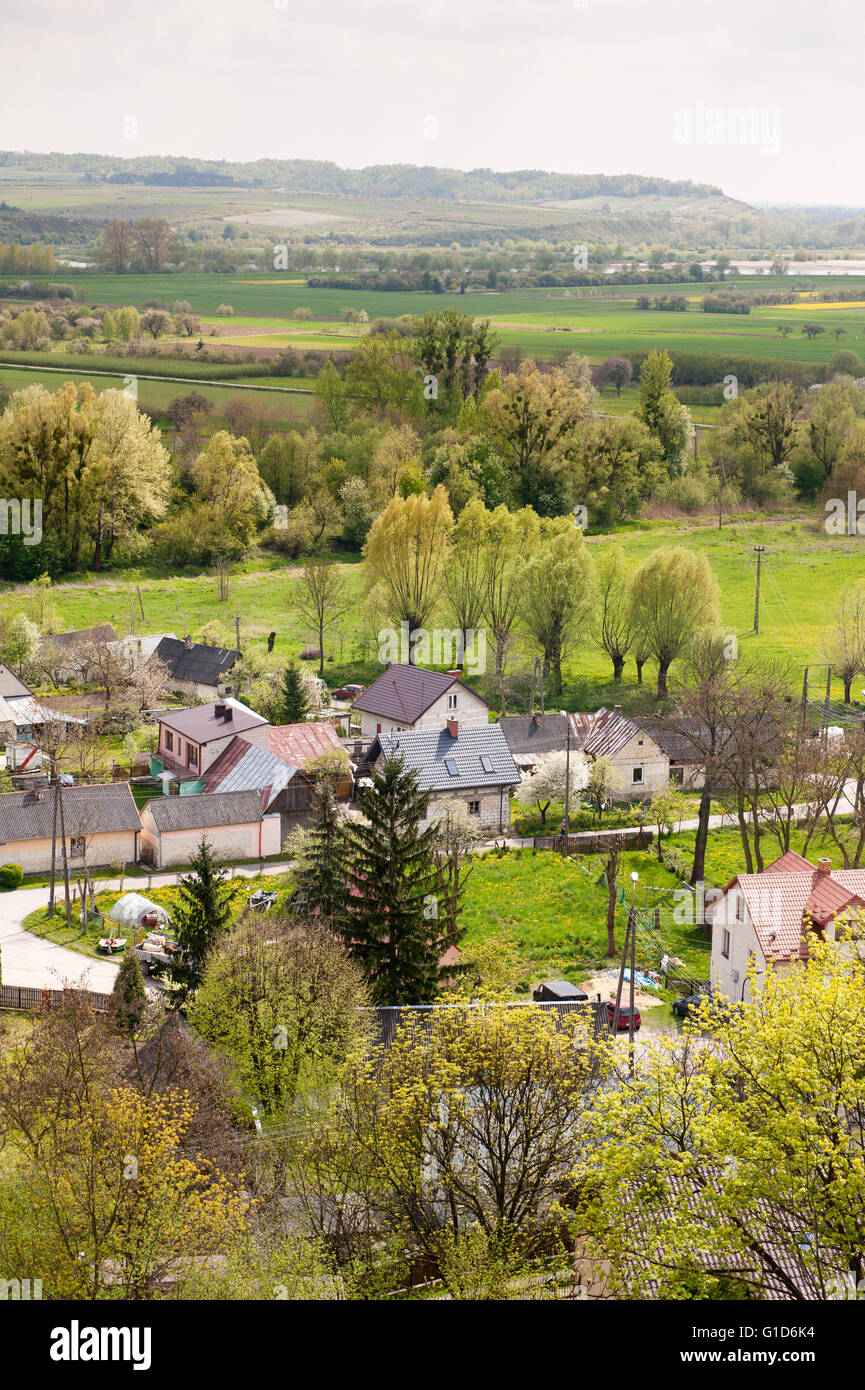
(321, 599)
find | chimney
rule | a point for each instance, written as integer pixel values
(218, 711)
(187, 641)
(824, 866)
(229, 714)
(537, 718)
(453, 727)
(457, 674)
(617, 709)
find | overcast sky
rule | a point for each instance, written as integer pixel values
(585, 86)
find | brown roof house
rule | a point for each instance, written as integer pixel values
(773, 918)
(235, 823)
(191, 739)
(410, 697)
(102, 827)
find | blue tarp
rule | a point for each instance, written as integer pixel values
(642, 980)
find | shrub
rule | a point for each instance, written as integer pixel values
(11, 876)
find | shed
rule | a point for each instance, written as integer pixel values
(558, 992)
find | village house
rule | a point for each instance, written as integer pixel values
(102, 827)
(235, 824)
(191, 739)
(134, 651)
(640, 766)
(285, 789)
(671, 737)
(196, 668)
(21, 718)
(65, 654)
(532, 737)
(473, 765)
(773, 917)
(410, 697)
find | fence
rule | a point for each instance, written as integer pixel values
(31, 999)
(388, 1017)
(594, 841)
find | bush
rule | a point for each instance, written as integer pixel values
(689, 492)
(11, 876)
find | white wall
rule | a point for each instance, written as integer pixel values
(648, 756)
(228, 842)
(34, 856)
(743, 940)
(470, 713)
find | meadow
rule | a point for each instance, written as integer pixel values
(542, 323)
(803, 571)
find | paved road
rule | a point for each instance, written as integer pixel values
(31, 960)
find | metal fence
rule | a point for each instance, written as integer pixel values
(35, 1000)
(594, 841)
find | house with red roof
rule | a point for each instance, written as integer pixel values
(773, 918)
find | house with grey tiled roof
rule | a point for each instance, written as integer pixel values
(774, 917)
(236, 824)
(531, 737)
(101, 821)
(411, 697)
(474, 765)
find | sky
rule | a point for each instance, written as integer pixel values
(760, 97)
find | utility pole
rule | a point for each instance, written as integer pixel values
(720, 496)
(826, 703)
(804, 714)
(760, 551)
(567, 780)
(237, 630)
(633, 918)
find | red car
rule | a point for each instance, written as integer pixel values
(624, 1016)
(347, 692)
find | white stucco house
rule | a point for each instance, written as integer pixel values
(410, 697)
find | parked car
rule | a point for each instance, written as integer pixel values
(683, 1007)
(624, 1016)
(347, 692)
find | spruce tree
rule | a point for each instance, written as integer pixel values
(128, 997)
(294, 702)
(388, 915)
(200, 918)
(320, 882)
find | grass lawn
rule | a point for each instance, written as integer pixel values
(803, 572)
(72, 937)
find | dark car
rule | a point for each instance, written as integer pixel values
(692, 1002)
(624, 1016)
(347, 692)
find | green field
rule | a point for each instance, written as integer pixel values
(540, 322)
(158, 395)
(803, 572)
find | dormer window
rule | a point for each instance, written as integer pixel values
(451, 767)
(486, 762)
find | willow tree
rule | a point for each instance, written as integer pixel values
(405, 555)
(674, 592)
(558, 592)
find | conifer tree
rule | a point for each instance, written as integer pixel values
(294, 701)
(320, 882)
(129, 998)
(201, 917)
(389, 914)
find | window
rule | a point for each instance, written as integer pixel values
(725, 945)
(636, 774)
(169, 740)
(639, 743)
(474, 808)
(192, 754)
(452, 701)
(740, 908)
(486, 762)
(677, 775)
(76, 846)
(451, 767)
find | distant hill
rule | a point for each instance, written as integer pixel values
(376, 181)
